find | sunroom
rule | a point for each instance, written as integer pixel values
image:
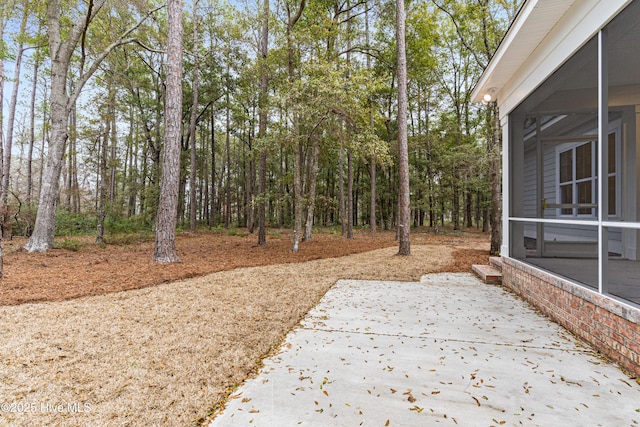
(566, 80)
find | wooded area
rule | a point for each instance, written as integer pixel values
(287, 115)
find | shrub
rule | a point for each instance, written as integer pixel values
(75, 224)
(115, 224)
(71, 245)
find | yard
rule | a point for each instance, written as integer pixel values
(103, 336)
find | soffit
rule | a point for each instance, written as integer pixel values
(536, 20)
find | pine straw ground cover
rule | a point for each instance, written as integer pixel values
(169, 354)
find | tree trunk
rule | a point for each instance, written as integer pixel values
(70, 149)
(297, 194)
(2, 24)
(262, 126)
(6, 169)
(45, 137)
(455, 212)
(485, 216)
(102, 187)
(496, 175)
(112, 152)
(250, 181)
(212, 200)
(349, 195)
(192, 124)
(343, 216)
(468, 208)
(313, 179)
(44, 228)
(297, 161)
(75, 187)
(61, 53)
(165, 245)
(227, 189)
(133, 161)
(372, 161)
(32, 141)
(404, 214)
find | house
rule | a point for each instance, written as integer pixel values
(566, 80)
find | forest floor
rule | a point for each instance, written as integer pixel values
(170, 349)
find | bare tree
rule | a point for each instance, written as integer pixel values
(404, 213)
(165, 245)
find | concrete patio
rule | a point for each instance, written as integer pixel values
(449, 350)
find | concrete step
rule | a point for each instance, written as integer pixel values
(496, 262)
(487, 274)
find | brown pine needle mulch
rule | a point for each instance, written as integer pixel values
(167, 352)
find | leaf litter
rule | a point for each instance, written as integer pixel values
(193, 341)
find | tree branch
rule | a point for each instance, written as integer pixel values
(459, 32)
(295, 19)
(148, 48)
(96, 64)
(83, 55)
(78, 29)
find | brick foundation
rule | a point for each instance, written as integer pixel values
(611, 326)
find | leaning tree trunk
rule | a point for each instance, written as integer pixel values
(165, 246)
(61, 54)
(45, 224)
(403, 151)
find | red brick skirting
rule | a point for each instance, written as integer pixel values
(611, 326)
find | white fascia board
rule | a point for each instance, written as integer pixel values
(514, 34)
(581, 22)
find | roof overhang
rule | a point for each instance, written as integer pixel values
(544, 34)
(532, 24)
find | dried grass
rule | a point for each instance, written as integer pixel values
(169, 354)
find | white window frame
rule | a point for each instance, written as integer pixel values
(615, 129)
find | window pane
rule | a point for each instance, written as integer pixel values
(566, 166)
(583, 161)
(612, 153)
(566, 196)
(584, 196)
(612, 195)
